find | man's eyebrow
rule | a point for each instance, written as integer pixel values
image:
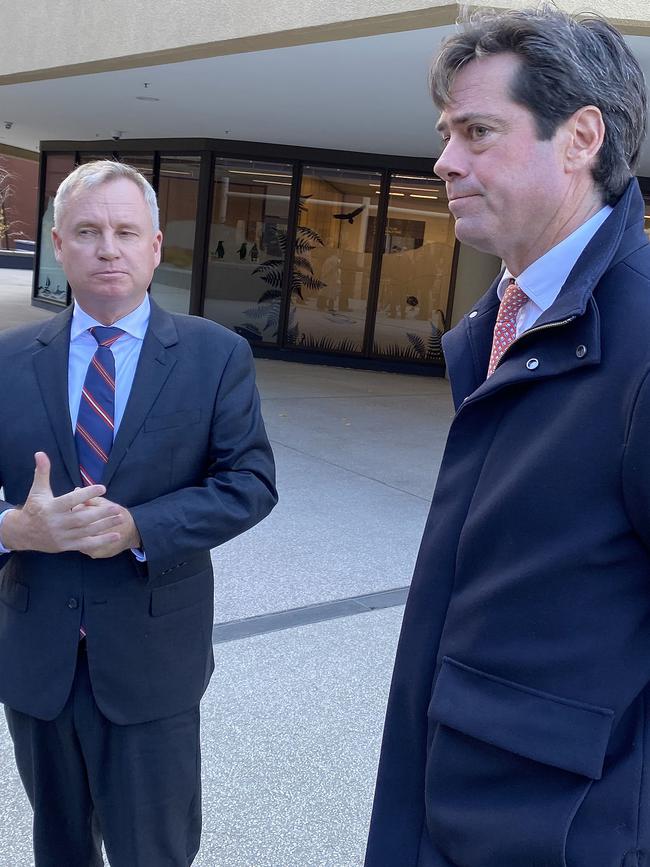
(91, 223)
(468, 117)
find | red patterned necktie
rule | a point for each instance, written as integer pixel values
(505, 328)
(95, 422)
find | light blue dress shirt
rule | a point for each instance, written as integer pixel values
(126, 352)
(542, 280)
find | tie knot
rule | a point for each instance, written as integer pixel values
(513, 298)
(106, 335)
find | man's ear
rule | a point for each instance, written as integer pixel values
(157, 248)
(586, 131)
(56, 243)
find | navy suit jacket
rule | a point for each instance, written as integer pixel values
(192, 463)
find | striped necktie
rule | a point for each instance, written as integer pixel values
(505, 328)
(95, 422)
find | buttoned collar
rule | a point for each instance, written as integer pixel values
(544, 278)
(134, 323)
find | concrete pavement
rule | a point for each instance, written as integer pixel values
(292, 719)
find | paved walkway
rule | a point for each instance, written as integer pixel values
(293, 716)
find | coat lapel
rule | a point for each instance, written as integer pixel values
(51, 367)
(154, 366)
(467, 346)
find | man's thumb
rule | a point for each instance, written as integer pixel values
(41, 482)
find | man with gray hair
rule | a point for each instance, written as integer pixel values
(131, 443)
(517, 731)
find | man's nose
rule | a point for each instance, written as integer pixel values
(107, 247)
(451, 162)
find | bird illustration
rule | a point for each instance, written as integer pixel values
(220, 250)
(242, 250)
(350, 215)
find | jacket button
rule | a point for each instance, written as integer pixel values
(532, 364)
(473, 314)
(73, 603)
(581, 351)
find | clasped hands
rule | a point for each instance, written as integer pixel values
(81, 520)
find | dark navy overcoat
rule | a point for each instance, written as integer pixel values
(518, 724)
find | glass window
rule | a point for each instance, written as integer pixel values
(247, 246)
(89, 157)
(142, 162)
(178, 193)
(51, 284)
(415, 271)
(333, 257)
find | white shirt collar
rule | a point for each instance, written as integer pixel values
(134, 323)
(544, 278)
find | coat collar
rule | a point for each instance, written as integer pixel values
(51, 365)
(467, 346)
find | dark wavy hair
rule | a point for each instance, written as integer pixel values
(566, 63)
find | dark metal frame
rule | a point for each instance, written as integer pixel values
(36, 302)
(297, 157)
(292, 228)
(375, 267)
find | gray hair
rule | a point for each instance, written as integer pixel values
(99, 172)
(566, 62)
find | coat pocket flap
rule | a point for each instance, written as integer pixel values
(14, 593)
(182, 594)
(182, 418)
(555, 731)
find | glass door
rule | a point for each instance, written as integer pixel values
(178, 195)
(332, 259)
(247, 247)
(416, 271)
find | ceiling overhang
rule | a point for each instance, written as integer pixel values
(365, 93)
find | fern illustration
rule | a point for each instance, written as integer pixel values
(271, 271)
(430, 349)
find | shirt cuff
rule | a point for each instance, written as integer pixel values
(138, 553)
(3, 515)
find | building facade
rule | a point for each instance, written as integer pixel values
(311, 252)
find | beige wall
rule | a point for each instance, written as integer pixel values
(474, 274)
(74, 36)
(70, 37)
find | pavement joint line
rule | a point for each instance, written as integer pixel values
(307, 615)
(278, 442)
(355, 397)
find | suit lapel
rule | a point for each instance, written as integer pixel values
(51, 367)
(154, 366)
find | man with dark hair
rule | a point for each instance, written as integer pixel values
(133, 439)
(517, 731)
